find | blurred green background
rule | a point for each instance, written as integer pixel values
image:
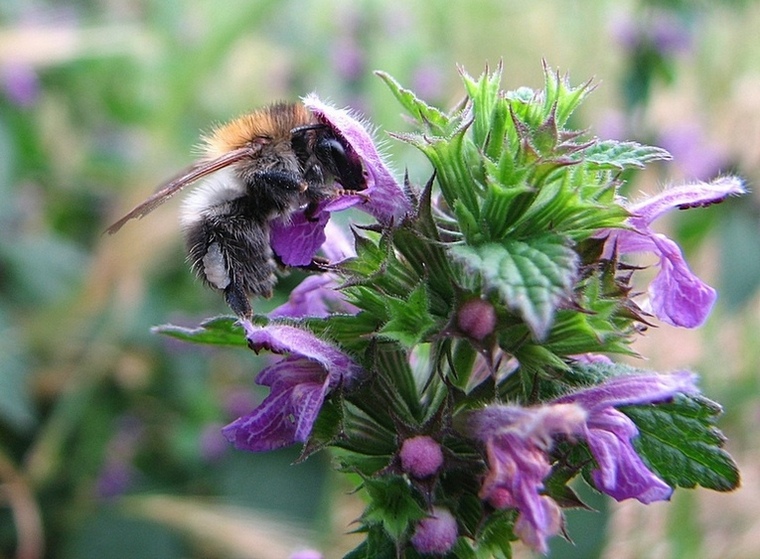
(109, 435)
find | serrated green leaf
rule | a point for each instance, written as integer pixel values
(484, 94)
(392, 505)
(498, 534)
(435, 120)
(410, 318)
(559, 92)
(531, 277)
(680, 442)
(428, 261)
(611, 154)
(220, 330)
(377, 545)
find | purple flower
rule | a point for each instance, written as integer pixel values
(299, 384)
(663, 31)
(297, 238)
(387, 201)
(608, 432)
(118, 473)
(315, 296)
(676, 295)
(517, 443)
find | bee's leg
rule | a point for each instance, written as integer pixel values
(238, 301)
(311, 211)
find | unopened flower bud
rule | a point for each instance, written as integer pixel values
(476, 319)
(435, 534)
(421, 456)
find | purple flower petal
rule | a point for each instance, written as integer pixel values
(315, 296)
(517, 442)
(387, 201)
(299, 384)
(682, 197)
(621, 473)
(627, 390)
(676, 295)
(296, 239)
(289, 339)
(338, 246)
(287, 415)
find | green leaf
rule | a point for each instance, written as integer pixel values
(220, 330)
(410, 319)
(392, 505)
(560, 94)
(498, 534)
(378, 545)
(531, 277)
(611, 154)
(680, 442)
(484, 94)
(396, 382)
(435, 120)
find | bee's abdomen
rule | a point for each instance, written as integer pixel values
(229, 251)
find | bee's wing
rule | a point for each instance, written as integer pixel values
(188, 176)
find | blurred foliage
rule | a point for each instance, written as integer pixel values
(100, 101)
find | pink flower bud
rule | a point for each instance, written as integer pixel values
(476, 318)
(421, 456)
(436, 534)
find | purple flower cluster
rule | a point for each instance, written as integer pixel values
(518, 441)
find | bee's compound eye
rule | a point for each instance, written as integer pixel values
(332, 149)
(346, 166)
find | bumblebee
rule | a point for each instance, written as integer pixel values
(266, 164)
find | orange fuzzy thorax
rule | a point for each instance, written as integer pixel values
(274, 123)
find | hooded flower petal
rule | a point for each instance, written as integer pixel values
(299, 384)
(676, 295)
(387, 201)
(517, 442)
(628, 390)
(684, 197)
(621, 473)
